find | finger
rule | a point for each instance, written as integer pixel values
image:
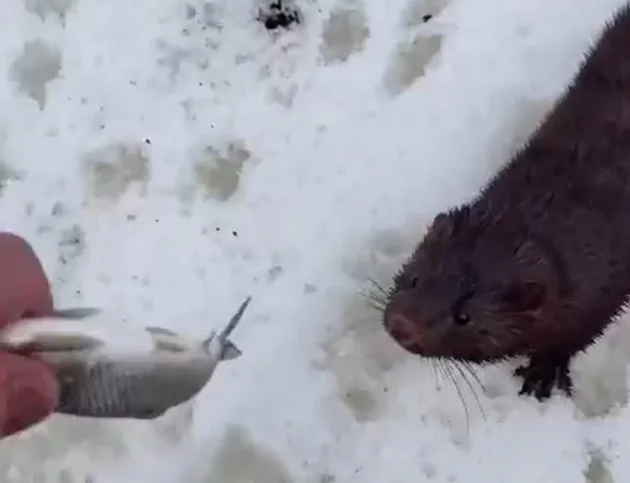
(24, 287)
(28, 393)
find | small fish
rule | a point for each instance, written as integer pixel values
(96, 382)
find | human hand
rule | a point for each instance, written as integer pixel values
(28, 387)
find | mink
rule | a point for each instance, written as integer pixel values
(537, 264)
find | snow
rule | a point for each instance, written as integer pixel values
(167, 159)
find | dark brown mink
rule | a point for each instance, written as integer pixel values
(538, 264)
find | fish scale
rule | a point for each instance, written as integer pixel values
(104, 389)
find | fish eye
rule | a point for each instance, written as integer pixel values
(461, 318)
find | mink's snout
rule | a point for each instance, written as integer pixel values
(400, 327)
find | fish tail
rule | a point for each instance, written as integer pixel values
(236, 318)
(230, 351)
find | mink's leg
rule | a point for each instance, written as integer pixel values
(543, 373)
(279, 14)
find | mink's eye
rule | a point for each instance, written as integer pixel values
(459, 313)
(461, 318)
(414, 281)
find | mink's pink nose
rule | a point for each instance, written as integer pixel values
(402, 330)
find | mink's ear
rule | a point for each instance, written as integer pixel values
(442, 227)
(441, 221)
(429, 253)
(450, 221)
(525, 297)
(537, 279)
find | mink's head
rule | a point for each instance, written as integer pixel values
(472, 292)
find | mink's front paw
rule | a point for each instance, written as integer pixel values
(279, 15)
(542, 374)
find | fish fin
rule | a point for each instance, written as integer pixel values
(205, 344)
(75, 313)
(154, 330)
(168, 345)
(167, 340)
(230, 351)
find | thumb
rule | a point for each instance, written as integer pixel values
(28, 393)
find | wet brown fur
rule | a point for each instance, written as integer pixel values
(539, 263)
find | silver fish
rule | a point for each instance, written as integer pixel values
(99, 384)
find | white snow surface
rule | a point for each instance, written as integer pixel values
(168, 158)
